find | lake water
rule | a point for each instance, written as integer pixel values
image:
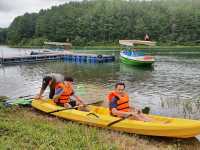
(170, 87)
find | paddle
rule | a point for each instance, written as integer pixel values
(116, 121)
(62, 109)
(26, 96)
(73, 107)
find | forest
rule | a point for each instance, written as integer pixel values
(93, 22)
(3, 35)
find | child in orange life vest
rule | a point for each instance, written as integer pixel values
(63, 92)
(119, 105)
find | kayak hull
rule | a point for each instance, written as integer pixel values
(100, 117)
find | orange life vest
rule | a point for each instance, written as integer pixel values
(65, 96)
(122, 102)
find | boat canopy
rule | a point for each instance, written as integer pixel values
(134, 42)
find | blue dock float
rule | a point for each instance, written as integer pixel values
(59, 56)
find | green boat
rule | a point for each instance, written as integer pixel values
(134, 57)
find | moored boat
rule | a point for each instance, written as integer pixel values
(135, 57)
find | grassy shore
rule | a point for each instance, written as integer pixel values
(26, 128)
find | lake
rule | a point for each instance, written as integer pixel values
(170, 87)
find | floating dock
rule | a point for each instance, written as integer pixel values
(62, 56)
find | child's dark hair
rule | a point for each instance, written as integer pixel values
(47, 79)
(119, 83)
(70, 79)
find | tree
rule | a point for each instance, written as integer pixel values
(3, 35)
(91, 21)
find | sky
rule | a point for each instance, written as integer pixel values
(9, 9)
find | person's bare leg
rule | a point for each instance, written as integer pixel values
(143, 117)
(146, 118)
(140, 118)
(149, 119)
(83, 108)
(66, 105)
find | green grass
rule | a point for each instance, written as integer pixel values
(22, 129)
(26, 128)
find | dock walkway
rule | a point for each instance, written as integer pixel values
(63, 56)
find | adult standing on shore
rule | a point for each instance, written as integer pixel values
(146, 38)
(50, 80)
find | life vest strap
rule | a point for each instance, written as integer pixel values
(123, 108)
(122, 103)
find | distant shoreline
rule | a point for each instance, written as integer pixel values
(111, 47)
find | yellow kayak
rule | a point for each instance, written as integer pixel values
(100, 117)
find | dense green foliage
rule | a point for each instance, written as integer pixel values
(106, 21)
(3, 35)
(22, 29)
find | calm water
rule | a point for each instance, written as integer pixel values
(170, 88)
